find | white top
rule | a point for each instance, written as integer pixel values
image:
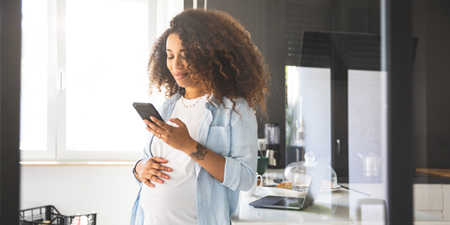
(174, 201)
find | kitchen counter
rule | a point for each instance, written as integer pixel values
(341, 207)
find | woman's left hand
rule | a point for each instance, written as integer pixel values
(176, 137)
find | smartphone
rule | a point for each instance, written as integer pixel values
(145, 110)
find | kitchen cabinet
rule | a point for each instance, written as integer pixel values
(433, 199)
(446, 195)
(428, 198)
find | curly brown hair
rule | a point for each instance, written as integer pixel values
(220, 55)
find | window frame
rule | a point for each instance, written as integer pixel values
(159, 14)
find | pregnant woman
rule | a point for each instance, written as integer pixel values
(196, 162)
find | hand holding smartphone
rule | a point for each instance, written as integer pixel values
(145, 110)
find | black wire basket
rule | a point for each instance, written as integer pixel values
(50, 215)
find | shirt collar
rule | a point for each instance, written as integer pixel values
(172, 99)
(213, 101)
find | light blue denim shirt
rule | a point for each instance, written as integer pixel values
(232, 134)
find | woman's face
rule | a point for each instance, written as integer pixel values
(176, 63)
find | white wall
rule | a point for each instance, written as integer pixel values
(110, 191)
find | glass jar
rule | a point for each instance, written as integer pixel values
(300, 174)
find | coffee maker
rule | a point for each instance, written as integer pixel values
(272, 137)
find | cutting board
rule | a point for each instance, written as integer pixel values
(435, 172)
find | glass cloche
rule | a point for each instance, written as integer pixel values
(300, 174)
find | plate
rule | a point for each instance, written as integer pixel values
(283, 192)
(272, 190)
(336, 187)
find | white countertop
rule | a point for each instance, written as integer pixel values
(341, 207)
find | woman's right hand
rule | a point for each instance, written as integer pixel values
(150, 170)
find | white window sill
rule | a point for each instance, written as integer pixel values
(88, 163)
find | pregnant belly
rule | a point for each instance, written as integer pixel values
(174, 199)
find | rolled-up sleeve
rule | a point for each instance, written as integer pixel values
(240, 165)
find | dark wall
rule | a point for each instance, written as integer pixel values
(10, 45)
(431, 83)
(438, 83)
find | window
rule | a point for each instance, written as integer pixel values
(84, 62)
(34, 85)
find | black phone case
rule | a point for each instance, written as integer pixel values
(145, 110)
